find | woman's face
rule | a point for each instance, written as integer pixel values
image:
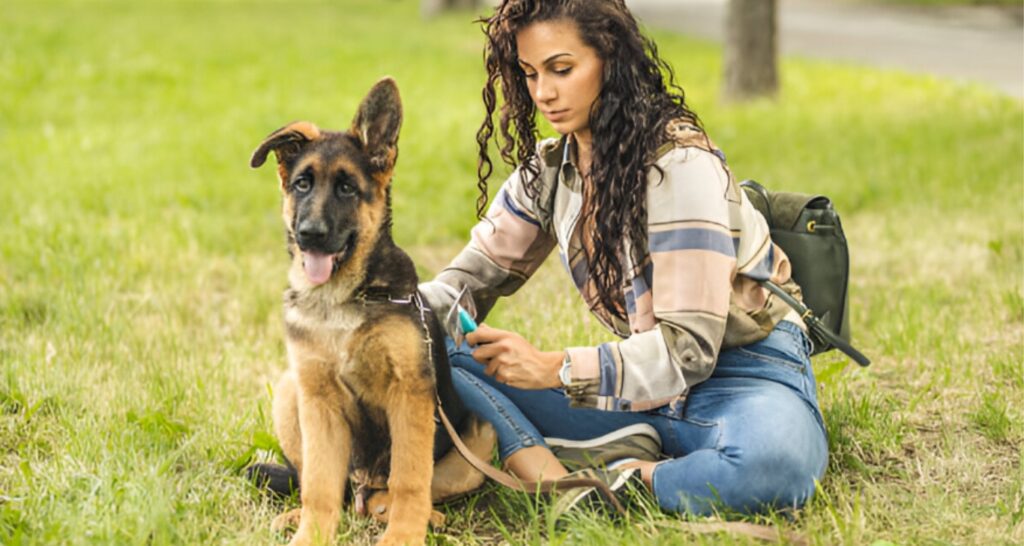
(564, 74)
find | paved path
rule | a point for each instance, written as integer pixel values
(981, 44)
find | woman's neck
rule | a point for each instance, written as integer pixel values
(584, 151)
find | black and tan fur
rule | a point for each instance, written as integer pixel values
(359, 394)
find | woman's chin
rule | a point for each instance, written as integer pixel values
(565, 126)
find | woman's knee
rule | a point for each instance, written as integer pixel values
(772, 458)
(514, 430)
(719, 481)
(779, 461)
(780, 475)
(460, 355)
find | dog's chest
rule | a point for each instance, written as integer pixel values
(324, 332)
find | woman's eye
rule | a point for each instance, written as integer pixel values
(563, 71)
(302, 185)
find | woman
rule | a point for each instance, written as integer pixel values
(667, 253)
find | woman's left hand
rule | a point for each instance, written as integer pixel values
(512, 360)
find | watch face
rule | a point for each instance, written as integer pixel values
(563, 374)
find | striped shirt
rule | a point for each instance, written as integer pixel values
(695, 292)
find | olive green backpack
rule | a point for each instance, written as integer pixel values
(808, 230)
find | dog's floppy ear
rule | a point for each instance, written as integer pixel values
(377, 123)
(286, 142)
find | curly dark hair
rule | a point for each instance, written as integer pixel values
(638, 97)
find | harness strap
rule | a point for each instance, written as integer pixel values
(370, 297)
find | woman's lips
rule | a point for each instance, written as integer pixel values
(557, 115)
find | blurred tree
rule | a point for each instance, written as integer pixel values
(429, 8)
(751, 50)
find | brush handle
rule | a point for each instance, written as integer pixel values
(466, 321)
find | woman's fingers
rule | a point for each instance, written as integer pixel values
(484, 352)
(493, 367)
(485, 334)
(506, 356)
(493, 356)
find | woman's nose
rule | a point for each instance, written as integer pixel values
(545, 90)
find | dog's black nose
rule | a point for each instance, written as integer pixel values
(312, 232)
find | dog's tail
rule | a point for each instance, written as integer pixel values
(277, 479)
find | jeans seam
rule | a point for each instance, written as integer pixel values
(525, 439)
(796, 367)
(800, 340)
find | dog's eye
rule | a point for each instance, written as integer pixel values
(302, 185)
(345, 188)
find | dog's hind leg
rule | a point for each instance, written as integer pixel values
(286, 418)
(453, 475)
(379, 503)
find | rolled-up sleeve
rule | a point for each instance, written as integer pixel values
(505, 249)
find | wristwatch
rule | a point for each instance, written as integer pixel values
(563, 374)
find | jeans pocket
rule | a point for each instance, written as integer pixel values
(771, 360)
(776, 359)
(693, 433)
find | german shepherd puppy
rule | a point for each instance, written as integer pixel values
(359, 394)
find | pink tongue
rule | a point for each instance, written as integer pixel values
(318, 267)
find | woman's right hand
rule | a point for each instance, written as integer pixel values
(513, 360)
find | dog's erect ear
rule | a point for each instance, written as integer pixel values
(377, 123)
(285, 142)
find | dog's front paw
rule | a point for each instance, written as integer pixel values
(401, 539)
(308, 536)
(379, 503)
(288, 521)
(377, 506)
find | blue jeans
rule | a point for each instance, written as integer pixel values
(751, 436)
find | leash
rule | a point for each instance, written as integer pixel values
(504, 478)
(761, 532)
(514, 483)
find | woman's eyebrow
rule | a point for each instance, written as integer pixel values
(548, 60)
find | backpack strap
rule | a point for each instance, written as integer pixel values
(782, 211)
(815, 324)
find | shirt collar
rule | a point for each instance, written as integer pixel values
(567, 171)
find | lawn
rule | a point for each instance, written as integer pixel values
(142, 264)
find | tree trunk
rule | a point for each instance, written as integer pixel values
(751, 51)
(430, 8)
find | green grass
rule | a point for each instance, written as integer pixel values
(141, 266)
